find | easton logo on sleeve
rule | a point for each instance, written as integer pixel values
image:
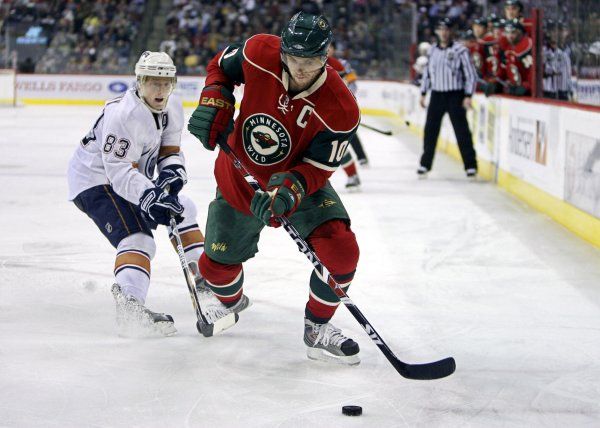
(266, 141)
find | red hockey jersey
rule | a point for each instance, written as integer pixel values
(477, 56)
(276, 130)
(518, 64)
(491, 57)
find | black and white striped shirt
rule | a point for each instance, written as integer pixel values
(449, 69)
(563, 68)
(550, 69)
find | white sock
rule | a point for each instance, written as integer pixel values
(194, 251)
(134, 281)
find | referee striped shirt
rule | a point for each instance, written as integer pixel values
(449, 69)
(563, 68)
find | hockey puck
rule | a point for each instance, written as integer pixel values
(352, 410)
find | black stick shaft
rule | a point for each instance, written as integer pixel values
(433, 370)
(372, 128)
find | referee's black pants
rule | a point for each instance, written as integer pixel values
(452, 103)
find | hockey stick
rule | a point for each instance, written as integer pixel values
(427, 371)
(372, 128)
(207, 329)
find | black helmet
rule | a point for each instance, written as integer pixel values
(514, 3)
(306, 35)
(480, 21)
(467, 35)
(444, 23)
(492, 18)
(513, 25)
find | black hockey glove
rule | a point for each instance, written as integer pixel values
(158, 206)
(517, 90)
(173, 176)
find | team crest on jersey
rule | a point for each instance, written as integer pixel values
(266, 141)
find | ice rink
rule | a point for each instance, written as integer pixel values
(448, 268)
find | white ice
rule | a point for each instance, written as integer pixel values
(448, 268)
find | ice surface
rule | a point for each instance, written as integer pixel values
(448, 268)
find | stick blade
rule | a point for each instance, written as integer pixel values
(429, 371)
(208, 330)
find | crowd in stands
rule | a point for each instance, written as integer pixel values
(83, 36)
(197, 29)
(97, 36)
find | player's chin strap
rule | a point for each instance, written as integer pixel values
(427, 371)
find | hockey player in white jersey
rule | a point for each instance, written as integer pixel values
(111, 180)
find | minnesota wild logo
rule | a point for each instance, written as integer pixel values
(266, 141)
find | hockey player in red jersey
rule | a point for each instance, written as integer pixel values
(309, 116)
(517, 64)
(347, 162)
(513, 9)
(486, 53)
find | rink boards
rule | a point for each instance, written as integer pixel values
(546, 154)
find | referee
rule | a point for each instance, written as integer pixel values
(451, 76)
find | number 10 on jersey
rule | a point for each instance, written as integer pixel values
(337, 150)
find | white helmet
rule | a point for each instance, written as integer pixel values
(420, 64)
(157, 64)
(423, 48)
(154, 64)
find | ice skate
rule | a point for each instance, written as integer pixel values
(353, 183)
(134, 319)
(198, 279)
(422, 172)
(327, 343)
(219, 316)
(471, 174)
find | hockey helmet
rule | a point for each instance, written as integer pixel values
(517, 3)
(480, 21)
(156, 64)
(513, 25)
(306, 35)
(423, 48)
(444, 23)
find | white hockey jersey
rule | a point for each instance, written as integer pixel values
(122, 148)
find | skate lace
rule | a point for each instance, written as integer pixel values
(328, 334)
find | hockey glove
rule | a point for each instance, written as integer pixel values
(517, 90)
(212, 121)
(158, 206)
(173, 176)
(284, 193)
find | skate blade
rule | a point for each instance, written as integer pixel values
(353, 189)
(158, 329)
(208, 330)
(319, 354)
(165, 328)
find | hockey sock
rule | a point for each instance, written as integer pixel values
(351, 169)
(348, 164)
(192, 240)
(322, 301)
(225, 281)
(335, 245)
(132, 273)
